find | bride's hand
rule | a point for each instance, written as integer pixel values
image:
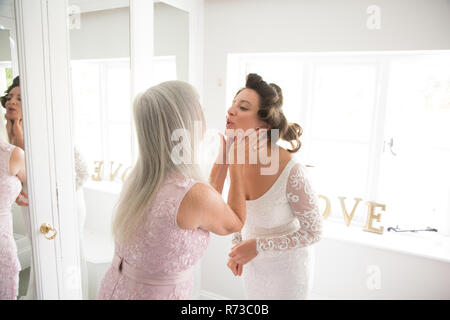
(15, 131)
(22, 199)
(9, 127)
(235, 267)
(244, 252)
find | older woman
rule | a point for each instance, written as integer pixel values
(12, 173)
(165, 211)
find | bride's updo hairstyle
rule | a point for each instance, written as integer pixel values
(271, 101)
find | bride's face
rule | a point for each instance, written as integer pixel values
(243, 113)
(13, 104)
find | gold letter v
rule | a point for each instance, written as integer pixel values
(348, 218)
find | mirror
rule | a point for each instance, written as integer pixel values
(171, 43)
(104, 139)
(100, 67)
(9, 114)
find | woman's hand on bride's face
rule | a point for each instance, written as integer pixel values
(244, 252)
(225, 144)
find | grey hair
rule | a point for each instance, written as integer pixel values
(158, 113)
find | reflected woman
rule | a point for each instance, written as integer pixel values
(165, 211)
(13, 104)
(12, 175)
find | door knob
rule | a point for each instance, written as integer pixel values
(46, 229)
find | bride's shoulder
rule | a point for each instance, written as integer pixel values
(297, 167)
(6, 147)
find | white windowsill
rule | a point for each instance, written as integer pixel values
(423, 244)
(111, 187)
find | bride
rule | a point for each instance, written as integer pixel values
(283, 219)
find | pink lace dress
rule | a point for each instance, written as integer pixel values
(10, 187)
(159, 262)
(285, 221)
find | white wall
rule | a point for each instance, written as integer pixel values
(102, 35)
(345, 270)
(237, 26)
(105, 34)
(251, 26)
(5, 51)
(172, 36)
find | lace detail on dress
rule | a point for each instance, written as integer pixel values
(81, 169)
(10, 187)
(236, 238)
(284, 221)
(304, 206)
(159, 247)
(9, 263)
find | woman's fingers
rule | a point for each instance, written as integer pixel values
(9, 124)
(235, 257)
(233, 266)
(239, 269)
(235, 269)
(234, 251)
(17, 126)
(22, 201)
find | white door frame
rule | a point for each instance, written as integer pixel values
(43, 50)
(44, 64)
(195, 9)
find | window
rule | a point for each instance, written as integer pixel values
(5, 76)
(102, 107)
(415, 175)
(376, 127)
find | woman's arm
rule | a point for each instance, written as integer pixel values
(304, 207)
(15, 132)
(217, 176)
(17, 168)
(17, 164)
(220, 167)
(203, 206)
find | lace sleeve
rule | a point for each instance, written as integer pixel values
(81, 169)
(236, 238)
(304, 206)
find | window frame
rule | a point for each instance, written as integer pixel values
(310, 62)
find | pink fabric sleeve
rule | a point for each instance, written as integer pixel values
(304, 206)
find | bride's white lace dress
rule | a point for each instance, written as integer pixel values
(286, 222)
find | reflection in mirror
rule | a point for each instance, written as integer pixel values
(100, 68)
(105, 143)
(16, 275)
(171, 43)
